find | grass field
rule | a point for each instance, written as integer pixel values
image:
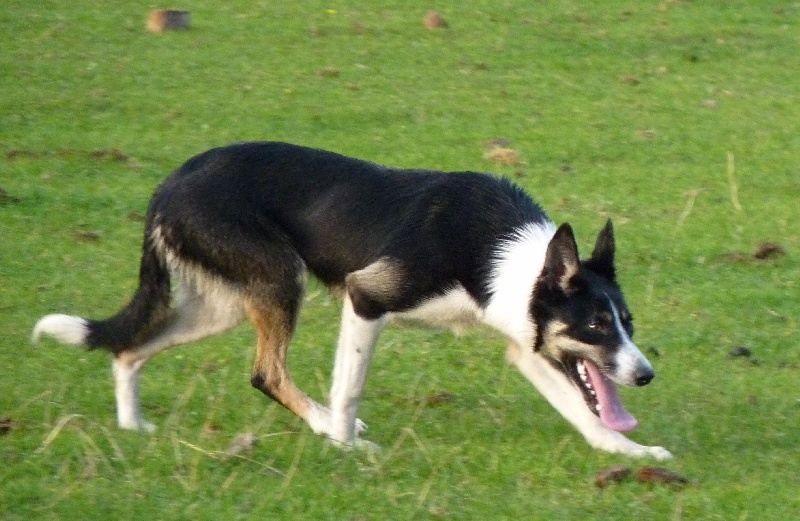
(678, 119)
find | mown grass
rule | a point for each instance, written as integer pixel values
(677, 119)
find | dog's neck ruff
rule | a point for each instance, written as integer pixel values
(518, 262)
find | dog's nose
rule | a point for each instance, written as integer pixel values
(644, 377)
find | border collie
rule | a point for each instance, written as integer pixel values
(233, 232)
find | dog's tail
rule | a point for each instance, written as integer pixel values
(144, 316)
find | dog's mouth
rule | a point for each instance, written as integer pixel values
(600, 394)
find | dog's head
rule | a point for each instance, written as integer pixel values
(584, 327)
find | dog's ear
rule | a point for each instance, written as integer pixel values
(602, 259)
(561, 263)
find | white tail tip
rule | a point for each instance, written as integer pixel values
(64, 328)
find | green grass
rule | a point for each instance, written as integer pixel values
(625, 109)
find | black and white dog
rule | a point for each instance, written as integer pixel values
(231, 234)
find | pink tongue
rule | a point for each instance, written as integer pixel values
(612, 413)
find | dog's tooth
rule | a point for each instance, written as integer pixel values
(591, 391)
(598, 407)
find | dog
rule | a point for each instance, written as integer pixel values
(233, 233)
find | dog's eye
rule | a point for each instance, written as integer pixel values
(599, 324)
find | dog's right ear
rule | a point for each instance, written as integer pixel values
(561, 263)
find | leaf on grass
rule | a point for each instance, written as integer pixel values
(503, 156)
(498, 150)
(630, 80)
(209, 367)
(241, 443)
(6, 424)
(659, 475)
(86, 236)
(433, 20)
(440, 398)
(740, 352)
(611, 475)
(646, 133)
(769, 250)
(359, 27)
(765, 251)
(109, 154)
(743, 352)
(211, 428)
(328, 72)
(136, 217)
(6, 198)
(21, 154)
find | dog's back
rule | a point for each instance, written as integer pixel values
(338, 213)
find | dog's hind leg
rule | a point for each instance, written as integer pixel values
(275, 322)
(126, 392)
(201, 310)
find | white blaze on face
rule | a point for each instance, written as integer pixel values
(629, 361)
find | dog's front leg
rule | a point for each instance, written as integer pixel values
(567, 400)
(356, 344)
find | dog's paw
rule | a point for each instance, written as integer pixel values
(139, 426)
(659, 453)
(358, 444)
(617, 443)
(643, 451)
(321, 422)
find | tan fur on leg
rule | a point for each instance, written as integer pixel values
(270, 371)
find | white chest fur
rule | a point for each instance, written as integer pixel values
(454, 310)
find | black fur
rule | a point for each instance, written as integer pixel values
(250, 214)
(147, 310)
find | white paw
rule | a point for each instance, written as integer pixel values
(321, 422)
(643, 451)
(140, 426)
(356, 444)
(659, 453)
(619, 444)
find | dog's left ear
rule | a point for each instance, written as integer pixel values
(602, 259)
